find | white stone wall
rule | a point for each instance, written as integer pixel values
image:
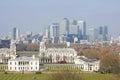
(60, 54)
(13, 65)
(88, 66)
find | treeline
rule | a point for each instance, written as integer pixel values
(109, 60)
(27, 47)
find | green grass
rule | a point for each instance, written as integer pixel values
(23, 76)
(97, 76)
(47, 76)
(27, 52)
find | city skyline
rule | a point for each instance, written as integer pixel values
(35, 15)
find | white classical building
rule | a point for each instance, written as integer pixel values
(55, 55)
(24, 64)
(7, 53)
(87, 64)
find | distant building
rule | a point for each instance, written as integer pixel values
(73, 29)
(82, 29)
(88, 64)
(23, 64)
(7, 53)
(15, 34)
(56, 55)
(64, 27)
(92, 34)
(54, 32)
(29, 36)
(5, 42)
(102, 33)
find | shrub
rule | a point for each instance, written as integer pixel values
(67, 75)
(38, 72)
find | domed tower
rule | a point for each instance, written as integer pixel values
(42, 48)
(13, 49)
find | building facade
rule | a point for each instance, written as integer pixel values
(82, 29)
(56, 55)
(23, 64)
(15, 34)
(8, 53)
(87, 64)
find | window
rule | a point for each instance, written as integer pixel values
(35, 63)
(96, 68)
(15, 68)
(31, 63)
(31, 68)
(10, 68)
(36, 68)
(10, 63)
(15, 63)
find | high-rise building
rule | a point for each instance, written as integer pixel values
(73, 32)
(72, 22)
(73, 29)
(64, 27)
(82, 29)
(54, 32)
(92, 34)
(29, 36)
(16, 34)
(103, 33)
(47, 32)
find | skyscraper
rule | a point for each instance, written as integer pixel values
(54, 32)
(82, 29)
(92, 34)
(29, 36)
(16, 34)
(64, 27)
(103, 33)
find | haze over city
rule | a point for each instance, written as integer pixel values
(35, 15)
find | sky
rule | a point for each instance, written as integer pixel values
(35, 15)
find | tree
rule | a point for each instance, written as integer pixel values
(110, 63)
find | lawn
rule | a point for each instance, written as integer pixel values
(87, 76)
(23, 76)
(27, 52)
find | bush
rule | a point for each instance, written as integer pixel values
(67, 75)
(38, 72)
(5, 72)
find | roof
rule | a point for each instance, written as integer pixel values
(88, 60)
(4, 50)
(60, 49)
(24, 58)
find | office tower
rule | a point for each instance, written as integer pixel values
(72, 22)
(82, 29)
(92, 34)
(54, 32)
(16, 34)
(64, 27)
(103, 33)
(47, 32)
(10, 35)
(29, 36)
(103, 30)
(73, 29)
(73, 32)
(46, 35)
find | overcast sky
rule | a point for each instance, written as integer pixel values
(34, 15)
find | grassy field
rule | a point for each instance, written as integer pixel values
(47, 76)
(27, 52)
